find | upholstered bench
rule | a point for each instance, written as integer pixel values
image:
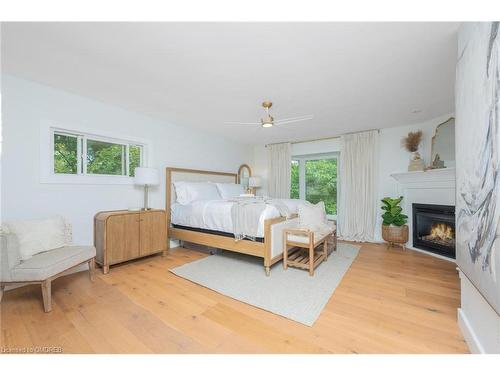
(43, 267)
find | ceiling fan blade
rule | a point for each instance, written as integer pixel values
(241, 123)
(289, 121)
(305, 117)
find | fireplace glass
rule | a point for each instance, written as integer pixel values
(434, 228)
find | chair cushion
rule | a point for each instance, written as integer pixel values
(49, 263)
(318, 236)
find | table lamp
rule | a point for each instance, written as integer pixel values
(254, 183)
(146, 177)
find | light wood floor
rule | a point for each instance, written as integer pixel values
(389, 301)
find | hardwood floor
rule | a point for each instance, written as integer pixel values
(390, 301)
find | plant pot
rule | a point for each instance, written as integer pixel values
(395, 235)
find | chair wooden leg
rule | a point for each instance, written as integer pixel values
(47, 295)
(91, 269)
(268, 270)
(2, 287)
(325, 249)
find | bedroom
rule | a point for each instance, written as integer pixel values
(247, 187)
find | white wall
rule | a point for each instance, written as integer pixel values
(27, 104)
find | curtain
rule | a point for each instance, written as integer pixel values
(358, 191)
(279, 161)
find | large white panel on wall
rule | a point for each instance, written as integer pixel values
(478, 190)
(477, 137)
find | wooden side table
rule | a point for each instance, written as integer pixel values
(120, 236)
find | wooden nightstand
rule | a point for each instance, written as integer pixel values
(120, 236)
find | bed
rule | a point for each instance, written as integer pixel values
(208, 222)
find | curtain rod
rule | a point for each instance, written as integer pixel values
(321, 139)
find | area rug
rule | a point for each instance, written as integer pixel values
(291, 293)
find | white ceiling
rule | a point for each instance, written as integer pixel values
(350, 76)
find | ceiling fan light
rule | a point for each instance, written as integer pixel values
(267, 124)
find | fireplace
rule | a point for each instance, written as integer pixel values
(434, 228)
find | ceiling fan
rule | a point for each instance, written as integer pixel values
(268, 121)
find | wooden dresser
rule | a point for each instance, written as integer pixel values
(124, 235)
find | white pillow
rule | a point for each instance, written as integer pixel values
(37, 236)
(229, 190)
(313, 217)
(188, 192)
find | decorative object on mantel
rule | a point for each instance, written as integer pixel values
(437, 163)
(411, 142)
(443, 145)
(394, 228)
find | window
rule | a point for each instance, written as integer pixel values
(65, 153)
(315, 179)
(85, 154)
(321, 183)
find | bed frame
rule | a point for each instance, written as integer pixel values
(258, 249)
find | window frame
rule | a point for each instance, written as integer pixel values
(47, 154)
(301, 159)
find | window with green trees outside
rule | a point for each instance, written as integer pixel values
(319, 181)
(86, 155)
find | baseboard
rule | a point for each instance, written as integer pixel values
(469, 335)
(431, 254)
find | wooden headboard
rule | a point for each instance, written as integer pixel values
(191, 175)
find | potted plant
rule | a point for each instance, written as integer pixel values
(394, 228)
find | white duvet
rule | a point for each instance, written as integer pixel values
(216, 214)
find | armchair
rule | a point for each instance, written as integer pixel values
(41, 268)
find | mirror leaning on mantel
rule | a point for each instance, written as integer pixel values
(443, 145)
(244, 173)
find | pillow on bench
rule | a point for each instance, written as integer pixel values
(313, 217)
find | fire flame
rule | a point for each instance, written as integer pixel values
(442, 232)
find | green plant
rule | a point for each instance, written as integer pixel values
(392, 214)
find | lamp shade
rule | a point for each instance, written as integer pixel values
(254, 182)
(146, 176)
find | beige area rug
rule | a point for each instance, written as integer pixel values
(291, 293)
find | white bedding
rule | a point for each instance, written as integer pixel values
(216, 214)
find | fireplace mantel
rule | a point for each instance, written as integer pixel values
(435, 186)
(443, 178)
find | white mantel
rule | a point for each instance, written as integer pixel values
(433, 178)
(435, 186)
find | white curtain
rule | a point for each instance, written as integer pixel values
(279, 161)
(358, 190)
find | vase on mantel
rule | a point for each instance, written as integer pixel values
(416, 162)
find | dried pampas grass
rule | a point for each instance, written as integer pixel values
(412, 141)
